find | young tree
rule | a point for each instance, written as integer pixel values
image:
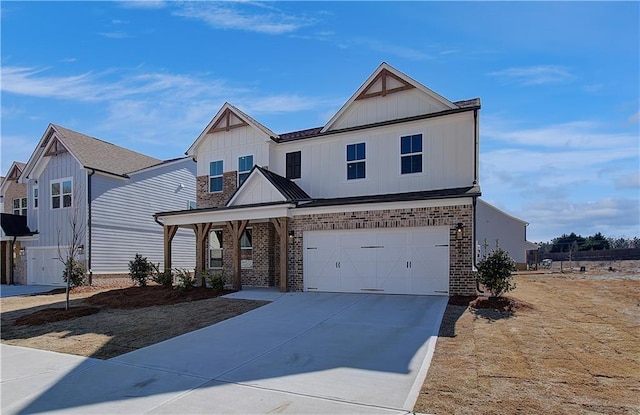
(71, 242)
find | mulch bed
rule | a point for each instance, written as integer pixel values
(124, 298)
(506, 304)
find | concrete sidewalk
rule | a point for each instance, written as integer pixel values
(303, 353)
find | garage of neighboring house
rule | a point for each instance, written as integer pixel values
(44, 266)
(393, 260)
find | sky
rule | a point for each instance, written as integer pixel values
(559, 84)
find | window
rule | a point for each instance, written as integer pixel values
(191, 204)
(245, 164)
(411, 154)
(293, 165)
(61, 193)
(215, 176)
(355, 161)
(246, 250)
(215, 249)
(35, 197)
(20, 206)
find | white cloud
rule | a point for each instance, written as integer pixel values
(628, 181)
(142, 4)
(535, 75)
(243, 16)
(115, 35)
(634, 118)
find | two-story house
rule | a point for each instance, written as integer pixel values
(382, 198)
(111, 194)
(13, 211)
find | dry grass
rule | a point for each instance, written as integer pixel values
(575, 350)
(113, 330)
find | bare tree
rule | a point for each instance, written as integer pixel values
(71, 238)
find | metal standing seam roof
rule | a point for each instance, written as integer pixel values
(97, 154)
(290, 190)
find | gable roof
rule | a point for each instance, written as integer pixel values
(227, 118)
(285, 188)
(15, 170)
(90, 152)
(383, 81)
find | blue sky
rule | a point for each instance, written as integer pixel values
(559, 84)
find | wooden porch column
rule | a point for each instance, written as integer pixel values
(281, 228)
(169, 233)
(202, 231)
(237, 227)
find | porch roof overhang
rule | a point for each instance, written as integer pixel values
(224, 214)
(15, 225)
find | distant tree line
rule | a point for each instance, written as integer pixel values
(596, 242)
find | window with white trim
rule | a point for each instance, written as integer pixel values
(35, 197)
(245, 164)
(411, 154)
(215, 249)
(356, 161)
(20, 206)
(61, 193)
(215, 176)
(246, 249)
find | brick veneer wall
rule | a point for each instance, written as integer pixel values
(205, 199)
(14, 191)
(461, 277)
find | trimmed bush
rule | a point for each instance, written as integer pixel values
(494, 272)
(164, 278)
(140, 270)
(216, 281)
(76, 271)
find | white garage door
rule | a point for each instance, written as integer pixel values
(44, 267)
(393, 261)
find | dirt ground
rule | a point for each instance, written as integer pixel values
(110, 322)
(572, 348)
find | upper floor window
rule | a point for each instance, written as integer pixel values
(245, 164)
(35, 197)
(215, 249)
(215, 176)
(356, 156)
(294, 165)
(411, 154)
(61, 193)
(20, 206)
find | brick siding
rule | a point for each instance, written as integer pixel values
(205, 199)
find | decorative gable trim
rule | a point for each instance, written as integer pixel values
(383, 84)
(227, 121)
(56, 147)
(14, 173)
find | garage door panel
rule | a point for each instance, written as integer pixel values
(396, 261)
(44, 267)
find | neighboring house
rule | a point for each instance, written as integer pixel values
(510, 233)
(382, 198)
(111, 193)
(13, 207)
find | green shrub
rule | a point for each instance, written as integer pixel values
(216, 280)
(164, 278)
(185, 280)
(494, 272)
(76, 271)
(140, 270)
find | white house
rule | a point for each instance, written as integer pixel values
(112, 193)
(510, 233)
(382, 198)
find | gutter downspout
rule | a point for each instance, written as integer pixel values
(93, 171)
(476, 148)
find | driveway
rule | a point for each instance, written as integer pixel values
(15, 290)
(302, 353)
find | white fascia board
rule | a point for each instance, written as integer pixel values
(382, 206)
(248, 213)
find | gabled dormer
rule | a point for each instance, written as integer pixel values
(387, 95)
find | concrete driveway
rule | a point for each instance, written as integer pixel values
(302, 353)
(15, 290)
